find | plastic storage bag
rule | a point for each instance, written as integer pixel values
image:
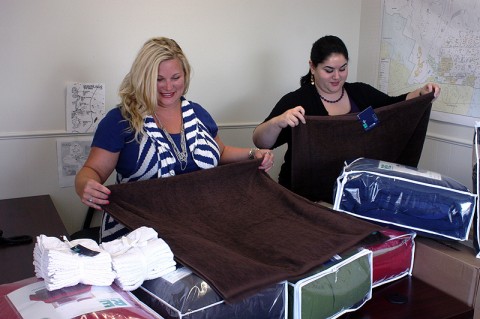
(341, 285)
(182, 294)
(476, 181)
(405, 197)
(29, 298)
(393, 257)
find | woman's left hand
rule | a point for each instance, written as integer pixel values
(429, 87)
(268, 159)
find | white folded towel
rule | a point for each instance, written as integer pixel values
(60, 266)
(128, 261)
(139, 256)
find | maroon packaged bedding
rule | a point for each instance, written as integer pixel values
(29, 298)
(393, 256)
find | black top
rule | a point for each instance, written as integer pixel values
(361, 94)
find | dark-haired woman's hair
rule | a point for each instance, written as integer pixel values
(321, 50)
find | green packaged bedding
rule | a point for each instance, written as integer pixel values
(342, 284)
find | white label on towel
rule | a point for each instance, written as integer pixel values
(174, 276)
(403, 169)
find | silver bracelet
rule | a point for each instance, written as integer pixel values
(251, 153)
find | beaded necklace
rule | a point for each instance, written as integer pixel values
(334, 101)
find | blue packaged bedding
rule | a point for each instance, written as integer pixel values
(476, 179)
(406, 198)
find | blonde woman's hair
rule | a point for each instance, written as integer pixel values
(138, 91)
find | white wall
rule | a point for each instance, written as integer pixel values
(245, 55)
(243, 52)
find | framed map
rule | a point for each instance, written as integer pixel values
(433, 41)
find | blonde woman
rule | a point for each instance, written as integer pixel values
(155, 132)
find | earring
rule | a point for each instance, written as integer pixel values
(312, 79)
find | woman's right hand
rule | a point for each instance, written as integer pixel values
(94, 194)
(291, 117)
(90, 178)
(266, 134)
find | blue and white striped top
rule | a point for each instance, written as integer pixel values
(153, 157)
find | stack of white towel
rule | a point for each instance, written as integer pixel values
(60, 266)
(139, 256)
(128, 261)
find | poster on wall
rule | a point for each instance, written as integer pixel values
(433, 41)
(85, 106)
(71, 155)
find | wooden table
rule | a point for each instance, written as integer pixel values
(411, 298)
(31, 216)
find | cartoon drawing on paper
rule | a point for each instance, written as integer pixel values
(71, 155)
(85, 106)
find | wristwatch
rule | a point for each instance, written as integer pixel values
(251, 153)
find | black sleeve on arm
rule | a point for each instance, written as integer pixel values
(305, 96)
(284, 104)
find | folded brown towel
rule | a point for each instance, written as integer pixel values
(236, 227)
(324, 143)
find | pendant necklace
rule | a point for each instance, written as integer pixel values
(181, 156)
(334, 101)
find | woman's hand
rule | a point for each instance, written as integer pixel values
(90, 178)
(291, 117)
(266, 134)
(94, 194)
(429, 87)
(268, 159)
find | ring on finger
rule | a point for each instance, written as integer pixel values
(91, 199)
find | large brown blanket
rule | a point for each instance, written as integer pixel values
(321, 147)
(236, 227)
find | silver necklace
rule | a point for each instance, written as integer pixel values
(181, 156)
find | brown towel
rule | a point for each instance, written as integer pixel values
(324, 143)
(236, 227)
